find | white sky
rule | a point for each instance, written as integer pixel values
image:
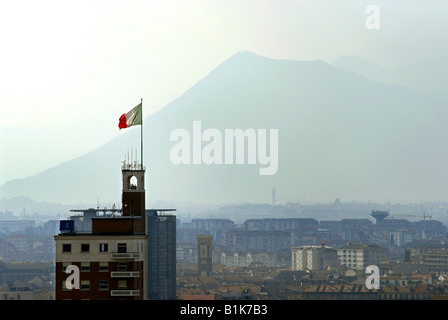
(69, 69)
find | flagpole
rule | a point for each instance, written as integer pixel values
(141, 136)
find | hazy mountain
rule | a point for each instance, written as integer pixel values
(340, 135)
(430, 75)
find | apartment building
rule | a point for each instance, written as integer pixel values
(359, 256)
(401, 238)
(260, 241)
(110, 250)
(435, 260)
(313, 257)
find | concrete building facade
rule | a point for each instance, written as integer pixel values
(359, 256)
(435, 260)
(313, 257)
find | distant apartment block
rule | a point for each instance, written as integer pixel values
(359, 256)
(356, 223)
(51, 227)
(264, 241)
(22, 291)
(11, 272)
(216, 227)
(435, 260)
(212, 224)
(401, 238)
(184, 254)
(313, 257)
(281, 224)
(266, 259)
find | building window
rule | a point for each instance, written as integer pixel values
(85, 284)
(85, 247)
(104, 266)
(104, 285)
(65, 265)
(122, 284)
(103, 247)
(122, 248)
(85, 266)
(122, 266)
(66, 247)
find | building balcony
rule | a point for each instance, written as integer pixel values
(124, 255)
(125, 293)
(125, 274)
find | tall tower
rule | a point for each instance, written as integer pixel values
(161, 229)
(379, 215)
(110, 248)
(133, 196)
(204, 254)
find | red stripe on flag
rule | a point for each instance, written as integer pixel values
(122, 124)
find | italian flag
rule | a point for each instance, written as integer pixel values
(132, 118)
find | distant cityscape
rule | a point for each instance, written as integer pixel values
(282, 254)
(288, 151)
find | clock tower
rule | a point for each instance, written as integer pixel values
(133, 193)
(133, 190)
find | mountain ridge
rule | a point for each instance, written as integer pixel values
(335, 130)
(429, 75)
